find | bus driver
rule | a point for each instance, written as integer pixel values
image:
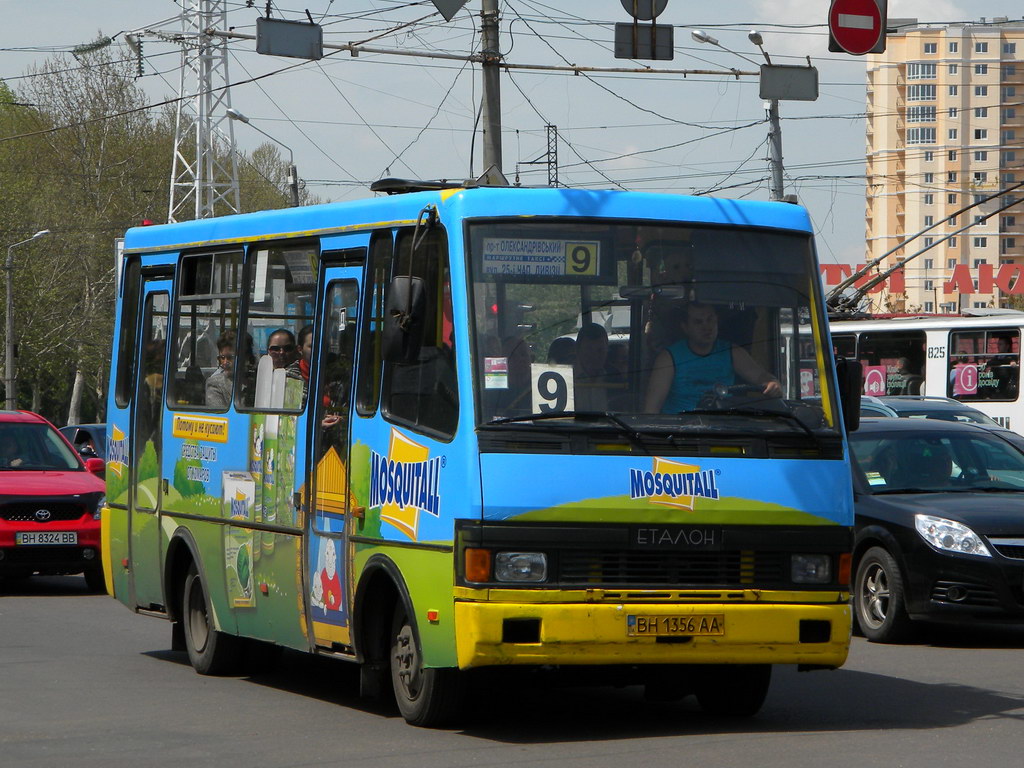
(687, 369)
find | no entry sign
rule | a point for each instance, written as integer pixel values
(857, 26)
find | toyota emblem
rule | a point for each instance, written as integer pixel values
(42, 515)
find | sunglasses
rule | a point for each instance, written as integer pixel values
(285, 348)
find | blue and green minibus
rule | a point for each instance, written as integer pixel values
(415, 432)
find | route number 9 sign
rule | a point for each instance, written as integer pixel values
(552, 388)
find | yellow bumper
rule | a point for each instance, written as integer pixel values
(575, 633)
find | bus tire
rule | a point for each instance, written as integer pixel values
(94, 580)
(878, 598)
(210, 652)
(426, 697)
(733, 690)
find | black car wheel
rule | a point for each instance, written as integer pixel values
(878, 598)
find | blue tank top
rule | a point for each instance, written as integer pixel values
(696, 374)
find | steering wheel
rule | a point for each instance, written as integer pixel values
(715, 396)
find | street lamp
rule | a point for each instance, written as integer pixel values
(775, 188)
(9, 382)
(293, 174)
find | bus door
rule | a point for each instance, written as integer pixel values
(147, 446)
(330, 504)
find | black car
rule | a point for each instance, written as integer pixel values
(923, 407)
(89, 439)
(939, 526)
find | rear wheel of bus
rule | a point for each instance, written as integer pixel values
(425, 697)
(210, 652)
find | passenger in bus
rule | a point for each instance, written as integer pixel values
(219, 385)
(1004, 367)
(589, 372)
(516, 398)
(692, 366)
(298, 369)
(562, 351)
(913, 381)
(281, 348)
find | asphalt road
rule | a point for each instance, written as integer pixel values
(84, 682)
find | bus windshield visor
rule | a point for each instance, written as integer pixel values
(655, 327)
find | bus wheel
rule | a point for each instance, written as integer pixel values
(425, 697)
(94, 580)
(733, 690)
(878, 598)
(210, 652)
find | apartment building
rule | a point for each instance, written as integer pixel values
(945, 129)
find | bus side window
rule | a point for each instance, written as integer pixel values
(423, 394)
(379, 273)
(127, 338)
(205, 314)
(279, 305)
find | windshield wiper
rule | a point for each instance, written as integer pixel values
(633, 434)
(790, 417)
(920, 490)
(993, 489)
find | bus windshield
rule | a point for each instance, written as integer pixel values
(657, 326)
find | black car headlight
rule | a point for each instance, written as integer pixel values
(950, 536)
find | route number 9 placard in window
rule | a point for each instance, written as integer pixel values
(552, 388)
(532, 257)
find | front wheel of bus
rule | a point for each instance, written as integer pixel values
(210, 652)
(425, 697)
(733, 690)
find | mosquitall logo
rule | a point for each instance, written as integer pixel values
(117, 451)
(673, 483)
(405, 483)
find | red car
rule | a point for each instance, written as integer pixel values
(50, 500)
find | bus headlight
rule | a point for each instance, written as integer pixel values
(950, 536)
(520, 566)
(811, 569)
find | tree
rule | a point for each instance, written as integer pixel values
(82, 156)
(100, 173)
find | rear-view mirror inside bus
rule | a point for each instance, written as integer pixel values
(404, 313)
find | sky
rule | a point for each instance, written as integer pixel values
(351, 120)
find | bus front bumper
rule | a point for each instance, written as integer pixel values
(504, 633)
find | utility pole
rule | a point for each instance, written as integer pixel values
(204, 173)
(776, 190)
(552, 155)
(491, 97)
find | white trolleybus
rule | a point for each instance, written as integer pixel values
(973, 359)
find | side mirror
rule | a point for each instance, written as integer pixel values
(404, 319)
(97, 466)
(849, 373)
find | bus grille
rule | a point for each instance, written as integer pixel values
(22, 512)
(617, 569)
